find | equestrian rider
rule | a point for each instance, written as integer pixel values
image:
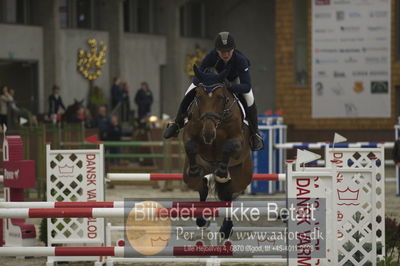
(224, 56)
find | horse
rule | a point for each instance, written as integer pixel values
(216, 144)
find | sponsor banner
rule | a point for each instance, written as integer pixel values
(351, 58)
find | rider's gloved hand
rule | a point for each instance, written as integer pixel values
(228, 84)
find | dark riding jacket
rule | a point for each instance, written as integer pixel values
(238, 66)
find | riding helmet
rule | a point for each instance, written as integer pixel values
(224, 41)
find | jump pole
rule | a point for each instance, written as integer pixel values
(130, 204)
(224, 250)
(165, 177)
(121, 212)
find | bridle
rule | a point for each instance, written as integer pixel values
(218, 117)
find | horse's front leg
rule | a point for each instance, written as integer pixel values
(192, 149)
(230, 149)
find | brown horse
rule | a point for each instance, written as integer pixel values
(216, 143)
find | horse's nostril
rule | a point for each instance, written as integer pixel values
(209, 137)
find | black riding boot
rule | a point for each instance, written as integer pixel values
(256, 141)
(173, 128)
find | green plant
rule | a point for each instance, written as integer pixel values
(392, 236)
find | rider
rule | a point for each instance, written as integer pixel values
(224, 56)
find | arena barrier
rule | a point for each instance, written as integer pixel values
(360, 185)
(159, 177)
(123, 204)
(183, 212)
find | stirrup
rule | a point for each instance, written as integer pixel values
(258, 144)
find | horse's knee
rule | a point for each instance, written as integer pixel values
(232, 146)
(191, 147)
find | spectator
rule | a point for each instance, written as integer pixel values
(56, 105)
(396, 152)
(125, 106)
(143, 99)
(116, 93)
(103, 122)
(96, 98)
(5, 100)
(13, 110)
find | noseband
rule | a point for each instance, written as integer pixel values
(226, 113)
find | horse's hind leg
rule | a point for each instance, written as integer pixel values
(200, 221)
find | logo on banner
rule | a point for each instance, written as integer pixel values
(376, 59)
(358, 86)
(338, 74)
(354, 15)
(360, 73)
(319, 88)
(338, 89)
(352, 39)
(350, 28)
(323, 15)
(376, 28)
(374, 49)
(321, 74)
(325, 50)
(350, 109)
(378, 14)
(341, 2)
(350, 50)
(339, 15)
(322, 2)
(350, 59)
(326, 61)
(378, 73)
(378, 87)
(324, 30)
(11, 175)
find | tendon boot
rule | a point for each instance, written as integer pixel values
(256, 141)
(172, 129)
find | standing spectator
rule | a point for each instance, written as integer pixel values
(103, 122)
(13, 110)
(5, 100)
(143, 99)
(116, 93)
(125, 105)
(56, 105)
(96, 98)
(114, 133)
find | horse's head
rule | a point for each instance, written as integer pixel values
(213, 101)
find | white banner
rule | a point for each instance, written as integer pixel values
(351, 58)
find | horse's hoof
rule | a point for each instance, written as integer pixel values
(202, 223)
